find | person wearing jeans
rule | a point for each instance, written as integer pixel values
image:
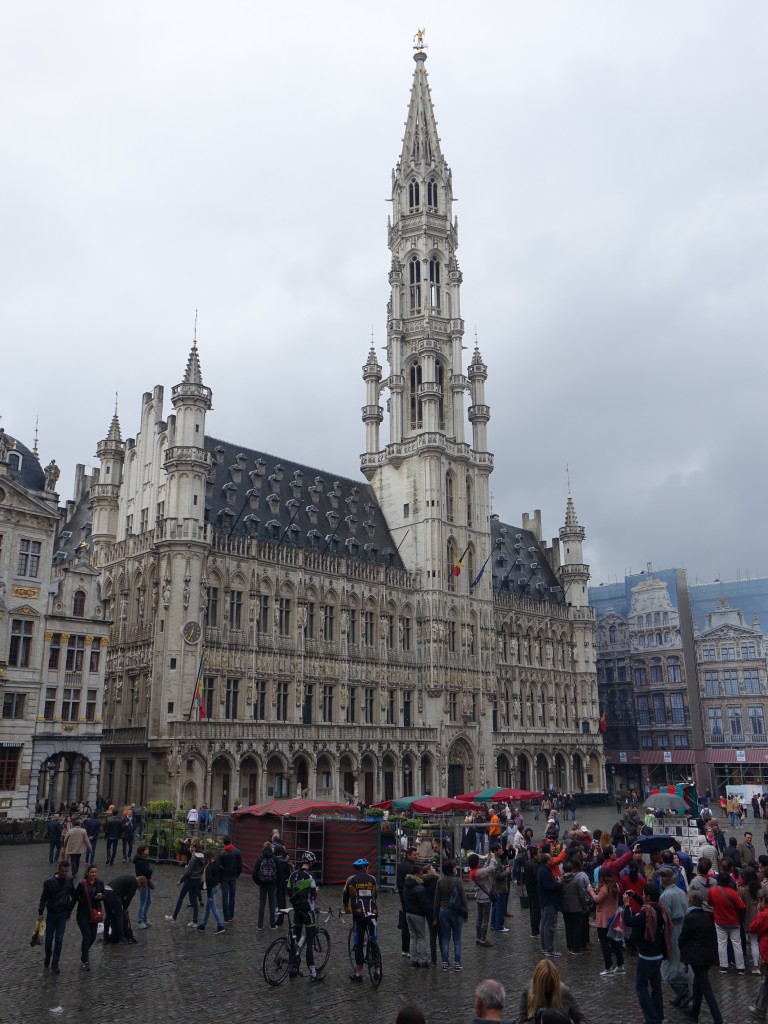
(651, 949)
(56, 901)
(500, 878)
(231, 864)
(143, 870)
(448, 890)
(190, 883)
(606, 898)
(549, 900)
(212, 883)
(482, 877)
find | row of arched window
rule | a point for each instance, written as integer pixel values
(414, 284)
(450, 498)
(415, 193)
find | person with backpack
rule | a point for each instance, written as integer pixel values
(451, 910)
(654, 932)
(265, 876)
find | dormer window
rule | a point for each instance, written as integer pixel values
(432, 195)
(413, 196)
(78, 604)
(14, 462)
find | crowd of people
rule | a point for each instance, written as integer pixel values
(675, 916)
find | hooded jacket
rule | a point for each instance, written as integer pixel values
(195, 868)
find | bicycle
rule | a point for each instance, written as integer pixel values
(371, 951)
(283, 956)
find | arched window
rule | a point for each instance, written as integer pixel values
(470, 566)
(439, 379)
(449, 497)
(432, 195)
(78, 604)
(413, 195)
(434, 284)
(453, 557)
(414, 281)
(415, 401)
(469, 501)
(611, 634)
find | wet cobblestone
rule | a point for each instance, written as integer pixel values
(177, 974)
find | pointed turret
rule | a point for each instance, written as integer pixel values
(479, 413)
(106, 493)
(373, 413)
(193, 374)
(186, 459)
(574, 574)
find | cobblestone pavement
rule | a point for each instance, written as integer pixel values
(178, 974)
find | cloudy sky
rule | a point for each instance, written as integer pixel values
(610, 162)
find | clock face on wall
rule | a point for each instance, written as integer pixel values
(191, 632)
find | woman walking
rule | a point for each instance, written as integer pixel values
(728, 907)
(698, 948)
(574, 908)
(450, 908)
(212, 884)
(144, 869)
(88, 900)
(606, 898)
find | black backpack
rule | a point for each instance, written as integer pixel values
(267, 871)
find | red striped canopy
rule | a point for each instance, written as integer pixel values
(296, 808)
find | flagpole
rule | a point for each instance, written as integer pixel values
(197, 683)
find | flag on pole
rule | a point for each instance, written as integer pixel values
(603, 722)
(479, 576)
(457, 568)
(197, 700)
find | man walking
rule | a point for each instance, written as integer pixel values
(57, 897)
(404, 869)
(113, 830)
(92, 827)
(747, 850)
(75, 845)
(231, 864)
(549, 900)
(673, 898)
(53, 833)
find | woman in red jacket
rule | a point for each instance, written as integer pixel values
(728, 909)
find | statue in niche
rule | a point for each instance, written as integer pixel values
(550, 654)
(123, 608)
(344, 622)
(185, 595)
(155, 594)
(167, 594)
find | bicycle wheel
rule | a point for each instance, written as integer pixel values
(321, 948)
(351, 947)
(373, 959)
(277, 961)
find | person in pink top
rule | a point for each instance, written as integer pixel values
(606, 897)
(728, 908)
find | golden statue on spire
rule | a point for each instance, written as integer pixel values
(418, 40)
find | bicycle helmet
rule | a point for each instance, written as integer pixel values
(360, 863)
(307, 858)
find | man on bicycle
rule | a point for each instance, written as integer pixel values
(360, 899)
(302, 890)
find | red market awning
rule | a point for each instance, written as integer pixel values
(296, 808)
(443, 805)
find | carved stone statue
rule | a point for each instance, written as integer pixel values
(4, 446)
(52, 474)
(186, 594)
(167, 594)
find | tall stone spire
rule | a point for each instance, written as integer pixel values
(574, 574)
(432, 485)
(421, 143)
(193, 374)
(113, 434)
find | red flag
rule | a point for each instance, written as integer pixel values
(456, 570)
(603, 722)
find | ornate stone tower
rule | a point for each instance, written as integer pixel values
(431, 483)
(574, 577)
(105, 495)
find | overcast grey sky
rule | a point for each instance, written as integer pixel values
(610, 162)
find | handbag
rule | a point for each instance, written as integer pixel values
(490, 893)
(95, 914)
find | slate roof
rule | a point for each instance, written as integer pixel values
(520, 567)
(260, 495)
(31, 475)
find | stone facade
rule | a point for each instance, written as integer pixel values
(276, 629)
(52, 635)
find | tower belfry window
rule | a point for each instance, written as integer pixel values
(414, 281)
(439, 380)
(434, 284)
(469, 501)
(413, 195)
(415, 401)
(432, 195)
(449, 498)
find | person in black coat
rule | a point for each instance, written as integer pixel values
(53, 834)
(88, 896)
(404, 869)
(117, 899)
(231, 864)
(265, 875)
(531, 883)
(113, 830)
(56, 899)
(284, 869)
(698, 948)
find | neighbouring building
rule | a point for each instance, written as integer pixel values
(52, 631)
(682, 680)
